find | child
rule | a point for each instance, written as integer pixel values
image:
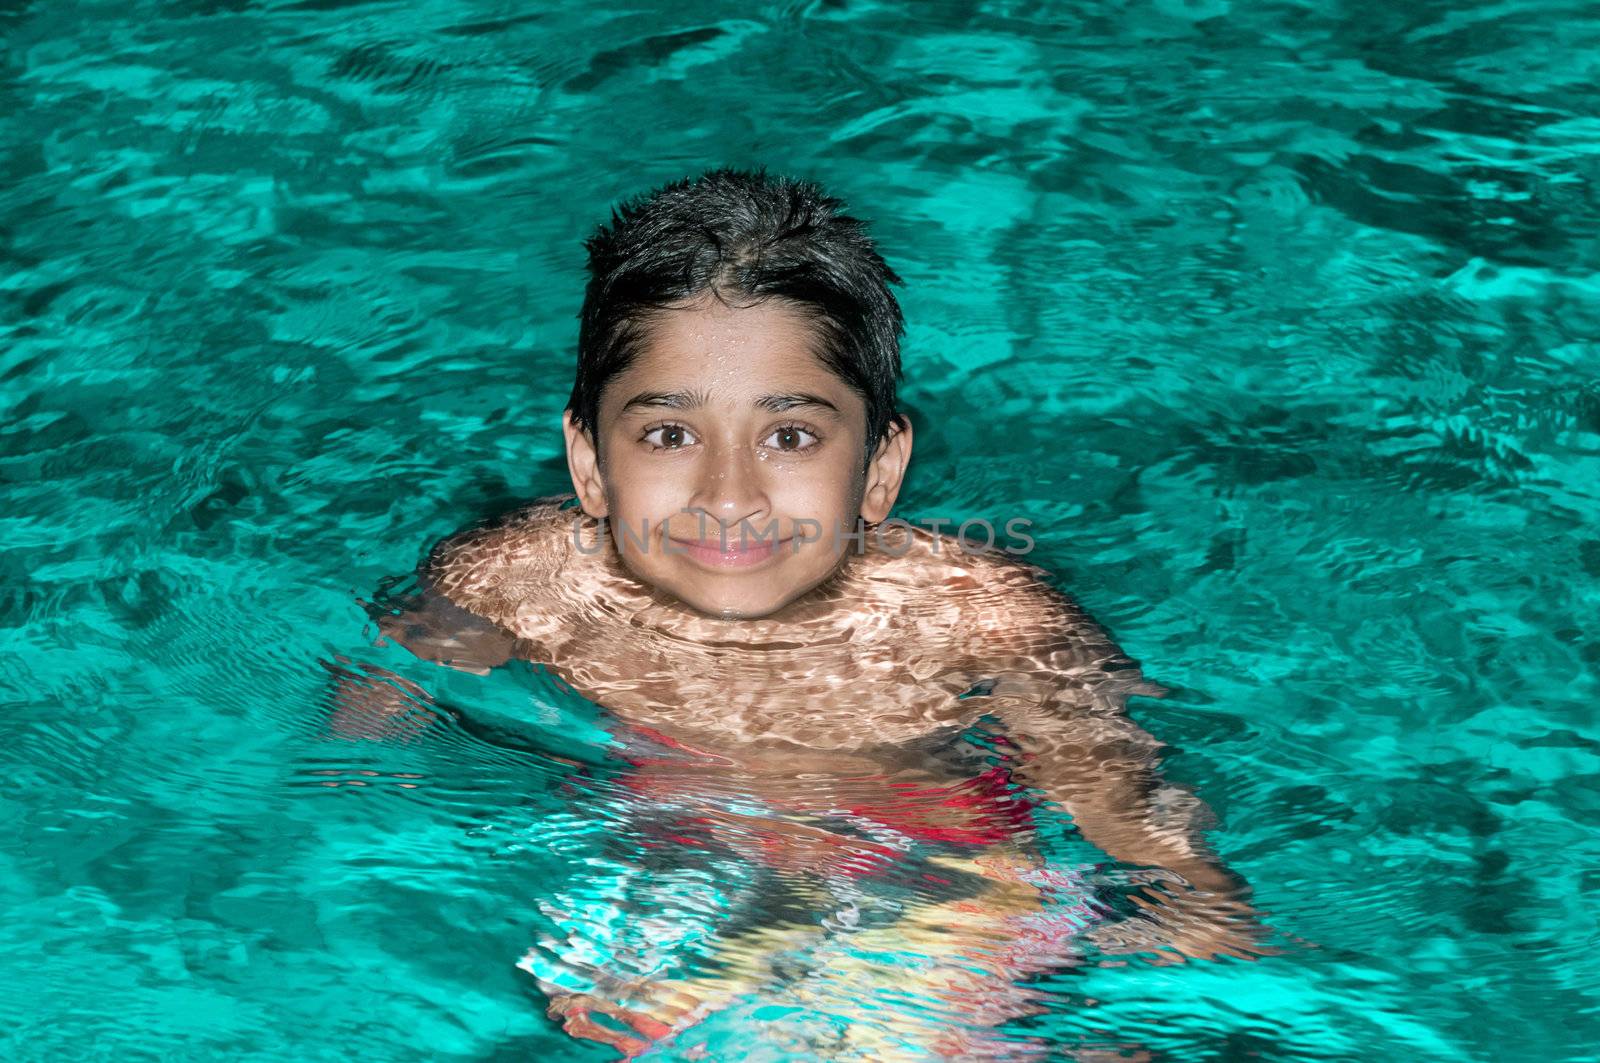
(724, 583)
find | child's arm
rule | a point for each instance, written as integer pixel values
(1103, 770)
(437, 623)
(369, 701)
(1060, 686)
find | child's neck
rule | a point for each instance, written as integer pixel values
(647, 606)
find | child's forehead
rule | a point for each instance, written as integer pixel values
(715, 329)
(763, 348)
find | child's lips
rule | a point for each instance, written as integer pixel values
(729, 553)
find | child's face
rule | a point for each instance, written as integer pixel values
(727, 416)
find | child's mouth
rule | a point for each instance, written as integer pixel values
(729, 553)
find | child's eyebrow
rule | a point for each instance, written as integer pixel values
(672, 400)
(689, 400)
(782, 403)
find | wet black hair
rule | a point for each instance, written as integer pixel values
(743, 234)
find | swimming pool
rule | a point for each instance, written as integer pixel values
(1276, 320)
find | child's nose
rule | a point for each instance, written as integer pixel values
(731, 485)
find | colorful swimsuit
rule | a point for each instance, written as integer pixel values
(871, 833)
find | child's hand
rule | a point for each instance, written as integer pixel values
(459, 650)
(1185, 924)
(435, 628)
(375, 703)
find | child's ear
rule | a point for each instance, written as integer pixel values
(583, 463)
(887, 471)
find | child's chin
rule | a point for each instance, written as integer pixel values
(726, 610)
(733, 606)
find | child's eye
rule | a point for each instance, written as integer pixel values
(793, 439)
(671, 436)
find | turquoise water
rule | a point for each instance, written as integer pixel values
(1276, 319)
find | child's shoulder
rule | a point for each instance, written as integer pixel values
(996, 605)
(496, 566)
(922, 559)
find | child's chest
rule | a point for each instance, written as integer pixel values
(846, 688)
